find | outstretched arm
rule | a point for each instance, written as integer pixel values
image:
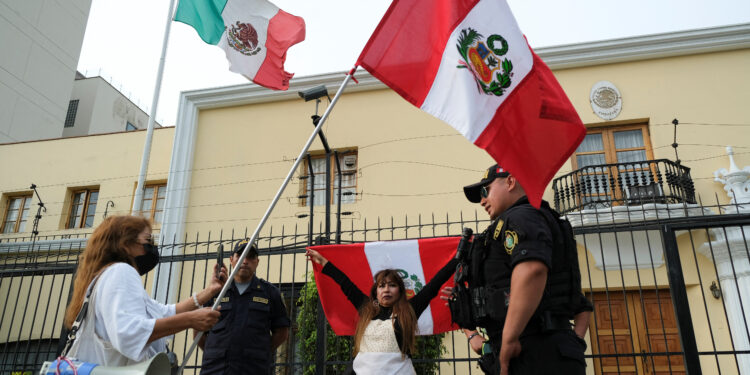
(352, 293)
(422, 299)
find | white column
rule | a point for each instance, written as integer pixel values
(730, 255)
(729, 250)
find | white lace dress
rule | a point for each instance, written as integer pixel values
(379, 352)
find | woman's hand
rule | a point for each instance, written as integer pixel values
(203, 319)
(316, 257)
(200, 320)
(217, 280)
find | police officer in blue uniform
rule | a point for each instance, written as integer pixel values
(530, 292)
(253, 323)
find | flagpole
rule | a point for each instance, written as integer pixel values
(138, 199)
(263, 220)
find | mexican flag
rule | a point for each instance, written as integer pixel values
(254, 34)
(467, 63)
(417, 261)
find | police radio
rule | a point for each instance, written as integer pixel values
(460, 300)
(465, 244)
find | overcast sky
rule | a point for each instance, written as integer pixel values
(123, 38)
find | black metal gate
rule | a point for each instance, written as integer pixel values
(632, 268)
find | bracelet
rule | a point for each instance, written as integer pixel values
(195, 301)
(472, 335)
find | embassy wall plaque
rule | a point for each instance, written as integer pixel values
(606, 100)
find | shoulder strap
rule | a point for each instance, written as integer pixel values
(80, 317)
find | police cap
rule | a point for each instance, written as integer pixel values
(239, 247)
(493, 172)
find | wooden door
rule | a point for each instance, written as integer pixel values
(657, 328)
(628, 323)
(613, 332)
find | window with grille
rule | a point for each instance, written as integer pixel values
(624, 148)
(82, 208)
(347, 160)
(70, 117)
(152, 206)
(16, 213)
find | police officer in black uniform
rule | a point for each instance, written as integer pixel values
(526, 300)
(253, 323)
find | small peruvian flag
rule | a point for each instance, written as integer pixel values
(416, 260)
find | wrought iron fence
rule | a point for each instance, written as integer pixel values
(636, 183)
(649, 276)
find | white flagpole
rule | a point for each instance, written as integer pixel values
(138, 199)
(263, 220)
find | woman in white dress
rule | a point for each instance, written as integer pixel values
(123, 325)
(385, 337)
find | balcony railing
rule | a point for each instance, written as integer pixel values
(636, 183)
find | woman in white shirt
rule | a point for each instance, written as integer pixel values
(128, 326)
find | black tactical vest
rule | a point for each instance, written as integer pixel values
(482, 300)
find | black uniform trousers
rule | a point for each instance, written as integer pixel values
(548, 353)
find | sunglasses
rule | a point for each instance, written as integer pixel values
(483, 192)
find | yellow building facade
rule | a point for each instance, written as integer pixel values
(214, 175)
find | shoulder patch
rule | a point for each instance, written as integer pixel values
(511, 239)
(498, 228)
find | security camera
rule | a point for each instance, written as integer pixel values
(314, 93)
(349, 161)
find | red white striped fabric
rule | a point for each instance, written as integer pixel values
(468, 64)
(416, 260)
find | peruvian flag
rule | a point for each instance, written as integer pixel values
(467, 63)
(416, 260)
(254, 34)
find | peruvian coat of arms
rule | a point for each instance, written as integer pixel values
(244, 38)
(482, 59)
(411, 282)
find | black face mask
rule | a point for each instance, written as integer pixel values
(147, 262)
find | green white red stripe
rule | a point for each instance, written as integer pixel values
(254, 34)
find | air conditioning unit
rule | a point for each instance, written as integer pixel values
(349, 163)
(638, 194)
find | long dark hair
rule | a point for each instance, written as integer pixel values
(402, 311)
(108, 244)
